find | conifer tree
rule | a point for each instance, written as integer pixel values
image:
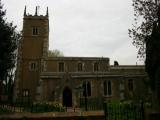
(8, 44)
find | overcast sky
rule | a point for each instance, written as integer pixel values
(86, 28)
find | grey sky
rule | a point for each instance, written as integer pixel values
(84, 27)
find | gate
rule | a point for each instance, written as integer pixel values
(123, 111)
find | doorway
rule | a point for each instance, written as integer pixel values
(67, 97)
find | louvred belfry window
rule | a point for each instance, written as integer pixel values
(35, 31)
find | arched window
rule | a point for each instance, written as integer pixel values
(35, 31)
(107, 88)
(61, 66)
(130, 85)
(80, 67)
(86, 89)
(96, 67)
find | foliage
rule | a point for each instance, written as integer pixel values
(5, 110)
(146, 13)
(47, 107)
(36, 107)
(55, 53)
(8, 45)
(146, 35)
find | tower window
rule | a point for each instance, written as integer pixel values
(25, 93)
(33, 66)
(35, 31)
(61, 67)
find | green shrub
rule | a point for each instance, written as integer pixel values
(46, 107)
(5, 110)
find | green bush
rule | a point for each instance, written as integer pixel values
(46, 107)
(4, 110)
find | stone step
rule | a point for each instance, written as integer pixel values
(71, 109)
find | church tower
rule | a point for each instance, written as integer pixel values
(33, 48)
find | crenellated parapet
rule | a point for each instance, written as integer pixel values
(36, 13)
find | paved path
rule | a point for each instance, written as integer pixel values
(71, 109)
(20, 109)
(56, 115)
(18, 113)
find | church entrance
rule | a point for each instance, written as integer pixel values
(67, 97)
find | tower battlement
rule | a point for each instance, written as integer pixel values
(36, 15)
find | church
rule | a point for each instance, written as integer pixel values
(68, 80)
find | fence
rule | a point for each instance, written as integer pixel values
(123, 111)
(92, 104)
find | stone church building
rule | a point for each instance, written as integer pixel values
(69, 79)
